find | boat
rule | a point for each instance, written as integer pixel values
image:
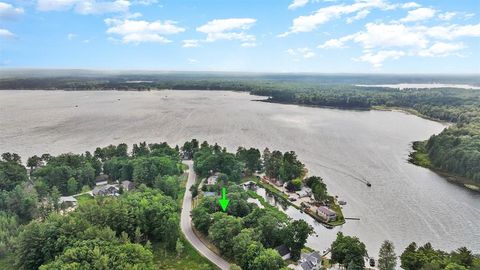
(368, 184)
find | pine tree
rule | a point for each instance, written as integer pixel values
(387, 259)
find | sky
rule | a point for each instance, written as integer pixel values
(324, 36)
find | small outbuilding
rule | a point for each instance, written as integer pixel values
(284, 252)
(128, 185)
(67, 201)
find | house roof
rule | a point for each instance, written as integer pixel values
(104, 188)
(327, 211)
(310, 260)
(283, 250)
(67, 199)
(127, 184)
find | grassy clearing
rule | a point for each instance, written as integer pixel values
(420, 156)
(84, 198)
(189, 259)
(183, 184)
(340, 218)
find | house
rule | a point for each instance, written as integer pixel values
(304, 192)
(284, 252)
(67, 201)
(106, 190)
(102, 179)
(326, 213)
(212, 180)
(128, 185)
(310, 261)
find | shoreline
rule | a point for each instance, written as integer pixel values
(284, 197)
(420, 158)
(450, 177)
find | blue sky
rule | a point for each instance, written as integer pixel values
(387, 36)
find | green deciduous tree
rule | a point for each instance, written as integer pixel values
(222, 232)
(296, 235)
(348, 251)
(268, 259)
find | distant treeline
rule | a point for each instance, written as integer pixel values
(456, 150)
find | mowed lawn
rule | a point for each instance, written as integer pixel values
(189, 259)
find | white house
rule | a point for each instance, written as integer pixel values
(310, 261)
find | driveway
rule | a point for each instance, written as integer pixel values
(186, 223)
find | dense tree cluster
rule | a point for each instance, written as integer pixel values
(213, 158)
(284, 167)
(109, 232)
(246, 233)
(68, 172)
(426, 257)
(251, 158)
(319, 189)
(349, 252)
(95, 232)
(12, 172)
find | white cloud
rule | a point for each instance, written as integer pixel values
(410, 5)
(7, 11)
(190, 43)
(360, 15)
(377, 59)
(309, 23)
(388, 35)
(382, 42)
(145, 2)
(193, 61)
(450, 32)
(136, 31)
(228, 29)
(84, 7)
(419, 14)
(297, 3)
(134, 15)
(333, 44)
(4, 33)
(447, 16)
(441, 49)
(301, 52)
(71, 36)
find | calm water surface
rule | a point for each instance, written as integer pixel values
(405, 203)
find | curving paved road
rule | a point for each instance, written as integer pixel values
(186, 223)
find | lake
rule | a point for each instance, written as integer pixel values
(405, 203)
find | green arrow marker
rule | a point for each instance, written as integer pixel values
(224, 201)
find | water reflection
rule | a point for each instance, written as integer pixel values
(323, 235)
